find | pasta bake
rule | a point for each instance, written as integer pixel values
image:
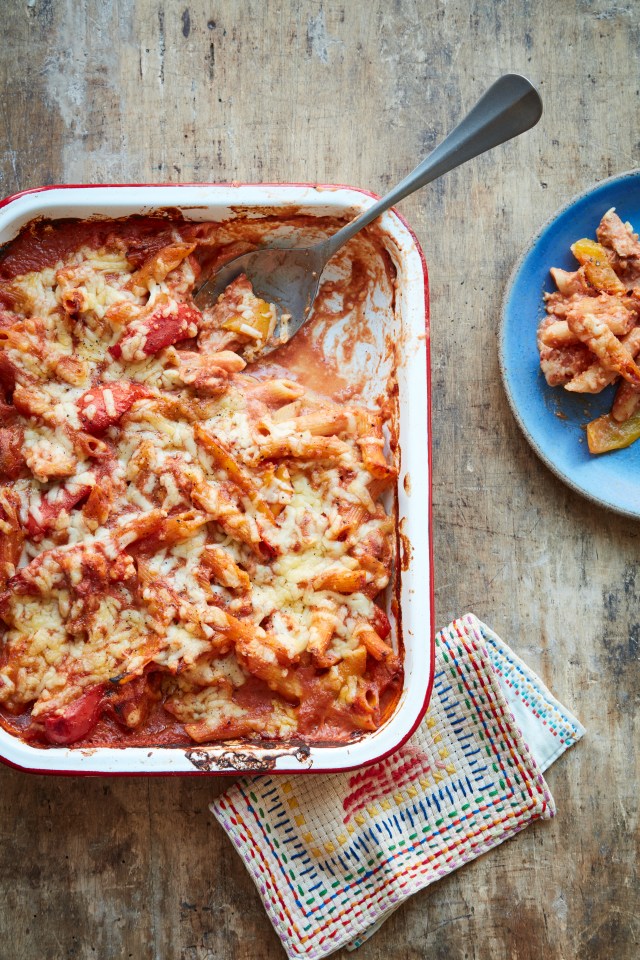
(590, 336)
(191, 550)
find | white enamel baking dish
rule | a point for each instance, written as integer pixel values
(406, 325)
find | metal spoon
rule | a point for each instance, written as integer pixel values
(290, 277)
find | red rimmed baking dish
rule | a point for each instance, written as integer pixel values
(389, 346)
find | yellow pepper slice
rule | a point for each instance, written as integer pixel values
(605, 434)
(598, 271)
(588, 251)
(260, 321)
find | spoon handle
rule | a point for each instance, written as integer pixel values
(510, 106)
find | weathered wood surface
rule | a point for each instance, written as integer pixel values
(356, 92)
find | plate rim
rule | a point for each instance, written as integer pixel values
(506, 296)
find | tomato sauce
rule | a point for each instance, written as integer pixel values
(42, 243)
(161, 729)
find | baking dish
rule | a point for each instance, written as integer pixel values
(394, 344)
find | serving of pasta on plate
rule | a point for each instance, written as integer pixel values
(189, 552)
(590, 336)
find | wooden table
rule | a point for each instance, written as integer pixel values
(356, 92)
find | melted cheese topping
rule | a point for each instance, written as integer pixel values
(137, 509)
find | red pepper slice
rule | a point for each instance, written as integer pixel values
(161, 331)
(77, 719)
(49, 512)
(381, 623)
(97, 413)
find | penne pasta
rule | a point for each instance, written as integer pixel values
(288, 412)
(99, 503)
(11, 535)
(224, 569)
(352, 665)
(139, 528)
(72, 370)
(371, 444)
(260, 659)
(219, 507)
(626, 402)
(182, 526)
(159, 265)
(373, 643)
(341, 580)
(323, 625)
(277, 391)
(597, 376)
(596, 335)
(324, 423)
(87, 446)
(225, 728)
(348, 521)
(301, 447)
(377, 571)
(207, 374)
(224, 460)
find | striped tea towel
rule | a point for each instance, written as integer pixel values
(332, 856)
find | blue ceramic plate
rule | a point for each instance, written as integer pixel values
(552, 419)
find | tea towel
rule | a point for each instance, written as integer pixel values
(332, 856)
